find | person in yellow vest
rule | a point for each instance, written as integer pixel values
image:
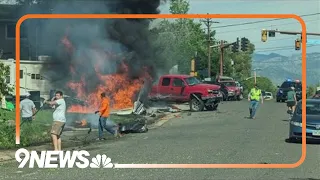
(254, 98)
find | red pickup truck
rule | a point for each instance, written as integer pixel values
(234, 92)
(185, 88)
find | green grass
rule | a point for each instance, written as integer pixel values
(36, 132)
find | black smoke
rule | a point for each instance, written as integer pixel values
(111, 41)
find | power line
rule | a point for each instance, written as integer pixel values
(287, 46)
(273, 61)
(271, 40)
(224, 32)
(262, 21)
(280, 48)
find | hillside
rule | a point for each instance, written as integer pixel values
(278, 67)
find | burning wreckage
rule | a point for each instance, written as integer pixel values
(136, 121)
(115, 56)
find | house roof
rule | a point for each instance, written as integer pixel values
(10, 12)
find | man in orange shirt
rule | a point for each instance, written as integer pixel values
(104, 120)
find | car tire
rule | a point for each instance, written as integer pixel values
(292, 140)
(196, 105)
(223, 96)
(212, 107)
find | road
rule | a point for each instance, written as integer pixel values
(226, 136)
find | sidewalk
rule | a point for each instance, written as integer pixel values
(77, 138)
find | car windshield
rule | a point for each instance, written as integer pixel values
(268, 94)
(228, 84)
(312, 108)
(289, 84)
(192, 81)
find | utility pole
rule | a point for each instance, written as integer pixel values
(255, 74)
(222, 46)
(221, 57)
(208, 22)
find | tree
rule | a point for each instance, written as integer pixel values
(5, 89)
(242, 63)
(311, 90)
(179, 7)
(263, 83)
(181, 39)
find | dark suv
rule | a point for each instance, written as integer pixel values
(285, 87)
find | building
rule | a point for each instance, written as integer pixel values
(30, 62)
(30, 77)
(8, 18)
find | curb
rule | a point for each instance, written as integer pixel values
(165, 119)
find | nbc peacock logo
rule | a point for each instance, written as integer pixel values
(101, 161)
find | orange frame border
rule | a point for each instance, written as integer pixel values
(166, 16)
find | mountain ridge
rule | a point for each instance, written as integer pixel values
(279, 67)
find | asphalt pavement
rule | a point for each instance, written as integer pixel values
(223, 136)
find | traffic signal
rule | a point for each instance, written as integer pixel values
(297, 44)
(224, 69)
(193, 65)
(235, 46)
(244, 44)
(301, 38)
(272, 33)
(197, 63)
(264, 35)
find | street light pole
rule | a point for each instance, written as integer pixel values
(255, 77)
(221, 57)
(255, 74)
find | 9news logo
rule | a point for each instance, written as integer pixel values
(61, 159)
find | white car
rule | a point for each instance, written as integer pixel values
(268, 96)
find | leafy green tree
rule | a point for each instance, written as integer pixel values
(263, 83)
(179, 7)
(241, 68)
(311, 90)
(5, 89)
(180, 39)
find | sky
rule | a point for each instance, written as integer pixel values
(280, 44)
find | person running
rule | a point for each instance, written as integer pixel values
(254, 98)
(28, 109)
(59, 119)
(104, 119)
(291, 101)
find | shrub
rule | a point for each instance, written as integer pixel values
(31, 133)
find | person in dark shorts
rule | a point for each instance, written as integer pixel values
(291, 101)
(28, 109)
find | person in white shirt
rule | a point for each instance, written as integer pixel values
(59, 119)
(28, 109)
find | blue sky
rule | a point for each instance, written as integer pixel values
(279, 44)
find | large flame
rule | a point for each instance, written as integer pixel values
(119, 87)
